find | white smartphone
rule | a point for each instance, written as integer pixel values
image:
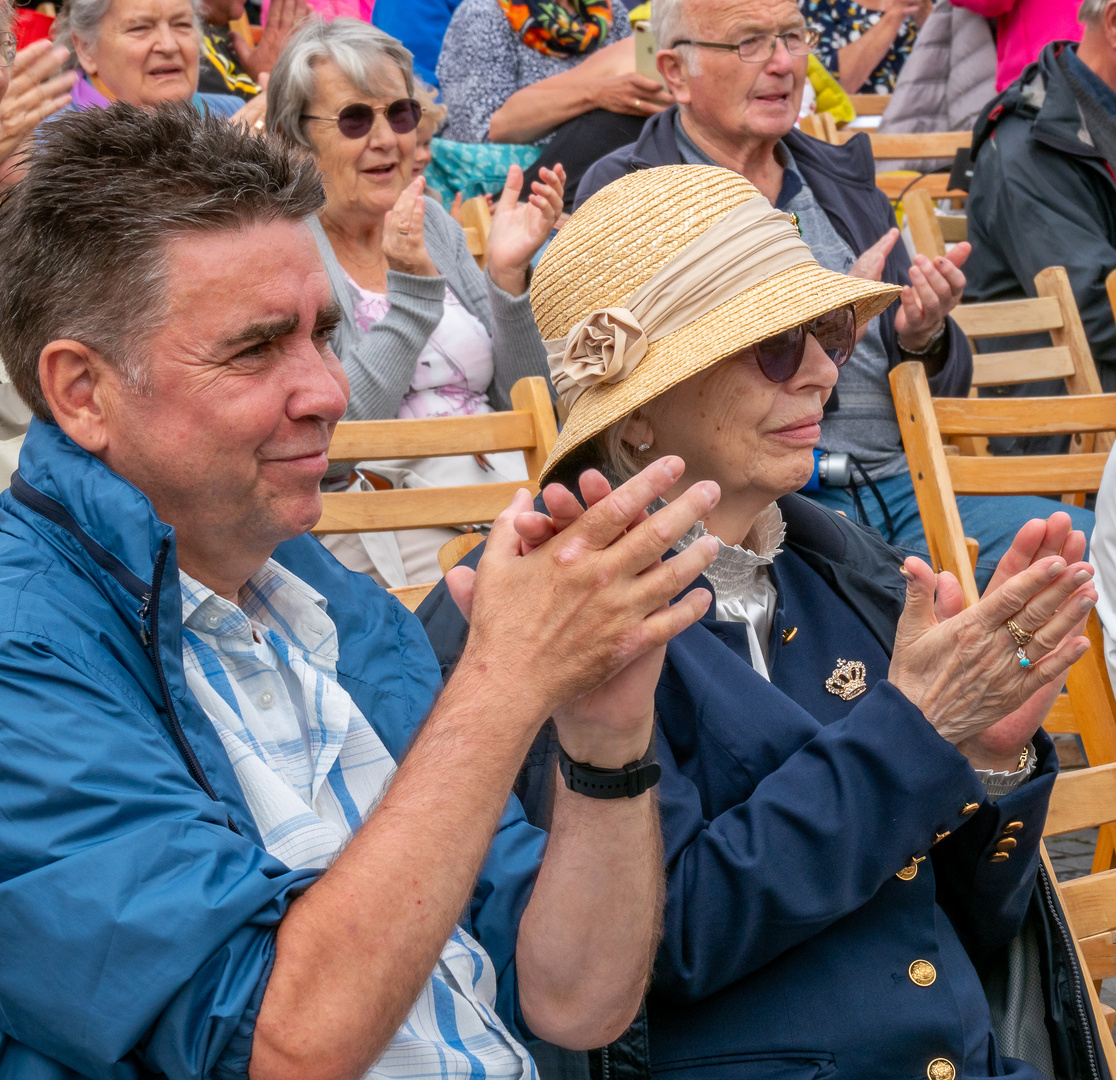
(645, 51)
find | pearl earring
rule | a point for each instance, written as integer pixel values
(644, 447)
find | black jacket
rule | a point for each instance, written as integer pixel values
(843, 180)
(1043, 195)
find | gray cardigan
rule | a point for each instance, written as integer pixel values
(380, 362)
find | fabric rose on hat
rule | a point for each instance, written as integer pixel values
(605, 347)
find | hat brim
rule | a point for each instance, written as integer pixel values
(781, 302)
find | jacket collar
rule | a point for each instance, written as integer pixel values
(106, 516)
(1042, 96)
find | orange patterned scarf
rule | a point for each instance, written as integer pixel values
(546, 26)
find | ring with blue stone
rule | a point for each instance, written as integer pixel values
(1024, 660)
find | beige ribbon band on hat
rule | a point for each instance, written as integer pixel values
(750, 244)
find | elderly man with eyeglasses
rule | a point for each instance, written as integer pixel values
(736, 69)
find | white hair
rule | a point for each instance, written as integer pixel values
(1092, 11)
(669, 24)
(358, 49)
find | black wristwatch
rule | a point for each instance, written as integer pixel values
(627, 783)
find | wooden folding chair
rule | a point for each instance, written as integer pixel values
(923, 146)
(476, 220)
(529, 426)
(930, 229)
(820, 126)
(1086, 799)
(1053, 311)
(938, 478)
(870, 104)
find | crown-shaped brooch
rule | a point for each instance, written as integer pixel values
(848, 680)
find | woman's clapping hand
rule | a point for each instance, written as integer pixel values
(959, 665)
(403, 244)
(38, 89)
(519, 229)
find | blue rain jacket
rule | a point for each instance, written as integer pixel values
(138, 907)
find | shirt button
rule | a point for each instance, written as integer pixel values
(213, 620)
(940, 1069)
(266, 699)
(922, 973)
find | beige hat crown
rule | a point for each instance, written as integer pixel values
(627, 232)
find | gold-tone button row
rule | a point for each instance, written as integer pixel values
(922, 973)
(940, 1069)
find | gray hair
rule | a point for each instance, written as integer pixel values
(82, 19)
(84, 235)
(669, 24)
(358, 49)
(1092, 11)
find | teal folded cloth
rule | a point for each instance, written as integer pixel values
(474, 168)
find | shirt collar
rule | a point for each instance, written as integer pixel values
(272, 596)
(735, 571)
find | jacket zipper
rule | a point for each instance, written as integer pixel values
(1071, 952)
(150, 639)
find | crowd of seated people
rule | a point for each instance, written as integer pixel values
(685, 757)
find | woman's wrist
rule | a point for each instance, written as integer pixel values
(511, 279)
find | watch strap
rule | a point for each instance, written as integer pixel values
(627, 783)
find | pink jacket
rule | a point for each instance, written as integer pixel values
(1023, 27)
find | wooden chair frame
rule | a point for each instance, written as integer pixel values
(938, 478)
(930, 229)
(529, 426)
(476, 221)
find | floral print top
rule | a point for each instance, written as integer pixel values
(841, 23)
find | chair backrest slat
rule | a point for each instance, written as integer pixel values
(1001, 318)
(1090, 903)
(1082, 799)
(484, 433)
(1047, 474)
(870, 104)
(908, 146)
(1023, 365)
(415, 508)
(1030, 415)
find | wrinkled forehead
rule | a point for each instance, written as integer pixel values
(731, 20)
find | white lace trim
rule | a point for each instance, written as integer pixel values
(735, 572)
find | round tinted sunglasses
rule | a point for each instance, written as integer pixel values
(780, 357)
(355, 121)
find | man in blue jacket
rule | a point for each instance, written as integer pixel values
(215, 859)
(737, 72)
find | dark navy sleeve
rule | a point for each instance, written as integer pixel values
(985, 893)
(814, 841)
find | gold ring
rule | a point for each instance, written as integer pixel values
(1018, 633)
(638, 102)
(258, 125)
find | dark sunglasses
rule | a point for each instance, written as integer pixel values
(355, 121)
(780, 357)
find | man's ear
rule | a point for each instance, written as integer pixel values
(673, 70)
(80, 387)
(1108, 18)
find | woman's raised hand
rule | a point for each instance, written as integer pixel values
(403, 244)
(38, 89)
(519, 229)
(960, 666)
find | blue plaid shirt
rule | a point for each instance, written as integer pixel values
(312, 768)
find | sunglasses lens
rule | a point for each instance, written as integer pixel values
(779, 357)
(403, 115)
(835, 332)
(355, 121)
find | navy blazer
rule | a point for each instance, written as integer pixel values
(796, 944)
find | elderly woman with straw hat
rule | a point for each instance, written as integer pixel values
(854, 778)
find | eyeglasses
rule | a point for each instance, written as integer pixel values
(7, 49)
(355, 121)
(780, 357)
(760, 49)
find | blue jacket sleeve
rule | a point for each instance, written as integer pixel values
(137, 928)
(815, 840)
(986, 898)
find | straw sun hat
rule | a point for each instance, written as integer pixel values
(628, 232)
